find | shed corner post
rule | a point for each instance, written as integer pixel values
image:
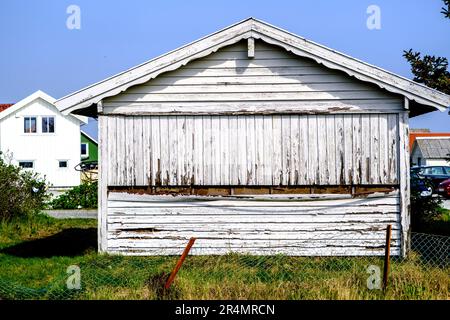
(405, 191)
(102, 184)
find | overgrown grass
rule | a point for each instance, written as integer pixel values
(33, 266)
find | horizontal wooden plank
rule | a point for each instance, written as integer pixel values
(310, 227)
(172, 79)
(252, 96)
(378, 196)
(236, 243)
(251, 235)
(222, 219)
(289, 251)
(239, 88)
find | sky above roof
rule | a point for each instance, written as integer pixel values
(43, 53)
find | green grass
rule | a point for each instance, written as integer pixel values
(34, 256)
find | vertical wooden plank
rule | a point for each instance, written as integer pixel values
(147, 150)
(339, 143)
(224, 151)
(365, 152)
(357, 148)
(251, 150)
(215, 150)
(348, 149)
(303, 152)
(277, 169)
(138, 151)
(286, 149)
(165, 151)
(173, 150)
(393, 148)
(207, 149)
(294, 147)
(242, 150)
(384, 161)
(259, 138)
(268, 150)
(120, 157)
(404, 179)
(198, 151)
(322, 150)
(375, 149)
(313, 152)
(189, 152)
(130, 154)
(112, 152)
(178, 131)
(156, 151)
(331, 150)
(103, 184)
(233, 145)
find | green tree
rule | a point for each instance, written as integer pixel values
(431, 70)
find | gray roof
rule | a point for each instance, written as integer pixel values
(434, 148)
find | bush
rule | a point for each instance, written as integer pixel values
(424, 210)
(82, 196)
(22, 193)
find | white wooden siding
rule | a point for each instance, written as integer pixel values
(349, 149)
(327, 225)
(274, 81)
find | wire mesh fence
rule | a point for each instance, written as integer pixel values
(424, 274)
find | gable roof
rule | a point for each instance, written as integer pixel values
(251, 28)
(88, 137)
(5, 106)
(434, 148)
(417, 135)
(36, 95)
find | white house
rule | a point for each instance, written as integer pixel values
(35, 135)
(431, 151)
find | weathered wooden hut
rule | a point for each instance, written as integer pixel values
(254, 140)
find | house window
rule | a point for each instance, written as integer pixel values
(63, 163)
(26, 164)
(48, 124)
(84, 150)
(29, 124)
(419, 161)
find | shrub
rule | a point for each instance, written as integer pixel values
(22, 193)
(82, 196)
(424, 210)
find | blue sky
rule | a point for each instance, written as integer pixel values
(40, 52)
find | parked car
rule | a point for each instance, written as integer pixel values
(444, 188)
(436, 174)
(421, 185)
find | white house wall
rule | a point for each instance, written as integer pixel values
(44, 149)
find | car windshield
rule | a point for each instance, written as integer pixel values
(433, 171)
(447, 170)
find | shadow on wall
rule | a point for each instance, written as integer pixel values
(68, 243)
